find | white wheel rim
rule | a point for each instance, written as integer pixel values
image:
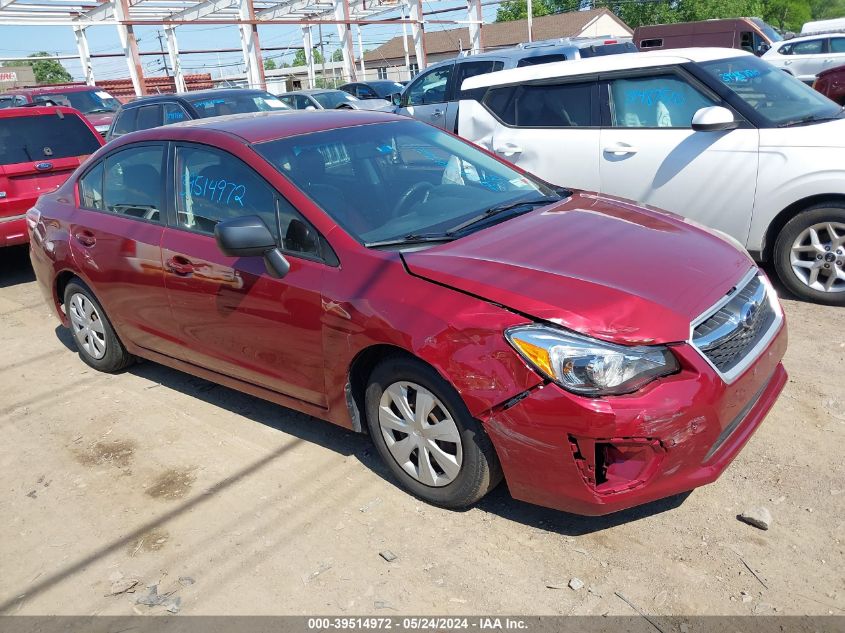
(87, 326)
(420, 434)
(817, 257)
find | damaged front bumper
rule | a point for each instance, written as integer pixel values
(594, 456)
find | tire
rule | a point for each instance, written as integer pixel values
(93, 334)
(806, 266)
(478, 470)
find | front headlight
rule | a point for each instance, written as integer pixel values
(588, 366)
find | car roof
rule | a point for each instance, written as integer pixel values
(191, 96)
(8, 113)
(257, 127)
(55, 88)
(605, 63)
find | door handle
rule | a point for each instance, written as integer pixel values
(179, 266)
(509, 149)
(436, 113)
(620, 150)
(86, 238)
(787, 62)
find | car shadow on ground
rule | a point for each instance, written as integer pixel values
(347, 443)
(15, 268)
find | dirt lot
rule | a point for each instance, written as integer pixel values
(154, 475)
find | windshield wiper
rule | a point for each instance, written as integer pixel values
(502, 208)
(813, 119)
(412, 238)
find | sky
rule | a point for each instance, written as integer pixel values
(20, 41)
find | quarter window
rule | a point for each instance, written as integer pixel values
(430, 87)
(837, 45)
(662, 101)
(126, 183)
(536, 60)
(551, 106)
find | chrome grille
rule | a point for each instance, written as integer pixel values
(728, 336)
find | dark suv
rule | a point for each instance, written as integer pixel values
(149, 112)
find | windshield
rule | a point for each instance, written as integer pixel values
(86, 101)
(386, 88)
(330, 100)
(767, 30)
(779, 98)
(388, 181)
(236, 103)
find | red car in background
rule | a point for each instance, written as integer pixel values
(389, 277)
(831, 83)
(96, 104)
(39, 148)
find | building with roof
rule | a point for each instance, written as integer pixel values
(388, 60)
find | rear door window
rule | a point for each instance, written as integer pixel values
(837, 45)
(546, 106)
(148, 117)
(810, 47)
(26, 139)
(132, 183)
(540, 59)
(466, 70)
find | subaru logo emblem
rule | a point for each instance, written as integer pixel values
(749, 311)
(44, 166)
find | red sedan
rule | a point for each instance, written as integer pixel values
(394, 279)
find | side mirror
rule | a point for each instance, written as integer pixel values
(762, 48)
(396, 99)
(310, 107)
(248, 236)
(714, 119)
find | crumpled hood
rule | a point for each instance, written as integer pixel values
(597, 265)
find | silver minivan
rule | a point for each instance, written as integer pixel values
(432, 97)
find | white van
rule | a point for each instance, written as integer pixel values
(716, 135)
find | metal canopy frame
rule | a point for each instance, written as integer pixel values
(248, 15)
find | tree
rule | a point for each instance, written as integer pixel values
(337, 56)
(299, 58)
(269, 64)
(47, 71)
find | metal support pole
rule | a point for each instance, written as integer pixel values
(126, 33)
(308, 47)
(361, 53)
(84, 54)
(474, 18)
(405, 43)
(251, 47)
(530, 21)
(341, 12)
(418, 31)
(173, 51)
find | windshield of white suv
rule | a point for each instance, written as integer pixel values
(403, 182)
(779, 98)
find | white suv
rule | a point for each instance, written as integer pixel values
(806, 57)
(716, 135)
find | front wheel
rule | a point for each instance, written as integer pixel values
(427, 437)
(809, 254)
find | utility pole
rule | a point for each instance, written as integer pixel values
(322, 51)
(163, 55)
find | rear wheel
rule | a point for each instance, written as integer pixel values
(809, 254)
(427, 437)
(93, 334)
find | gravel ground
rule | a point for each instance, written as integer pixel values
(231, 505)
